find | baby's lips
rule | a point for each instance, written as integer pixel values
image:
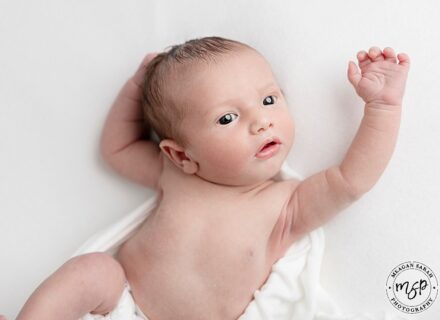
(267, 141)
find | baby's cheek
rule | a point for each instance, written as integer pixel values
(227, 158)
(288, 129)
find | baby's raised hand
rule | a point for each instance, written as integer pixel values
(381, 78)
(132, 88)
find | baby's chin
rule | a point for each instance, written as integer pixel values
(249, 179)
(252, 173)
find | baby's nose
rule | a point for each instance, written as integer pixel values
(261, 125)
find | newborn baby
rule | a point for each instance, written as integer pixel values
(222, 220)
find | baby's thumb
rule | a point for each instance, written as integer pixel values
(353, 74)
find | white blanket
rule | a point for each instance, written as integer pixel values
(291, 292)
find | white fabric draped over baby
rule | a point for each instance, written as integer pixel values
(291, 292)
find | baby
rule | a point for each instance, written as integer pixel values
(222, 220)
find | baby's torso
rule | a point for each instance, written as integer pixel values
(204, 250)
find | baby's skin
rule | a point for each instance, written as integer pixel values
(222, 221)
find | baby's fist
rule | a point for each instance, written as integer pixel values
(381, 78)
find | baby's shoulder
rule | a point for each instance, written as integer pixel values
(282, 187)
(276, 196)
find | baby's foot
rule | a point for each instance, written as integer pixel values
(381, 78)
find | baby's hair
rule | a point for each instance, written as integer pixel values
(161, 112)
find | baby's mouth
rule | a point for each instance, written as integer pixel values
(269, 146)
(267, 143)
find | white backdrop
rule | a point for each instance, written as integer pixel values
(63, 62)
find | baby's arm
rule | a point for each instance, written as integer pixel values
(381, 84)
(123, 144)
(91, 283)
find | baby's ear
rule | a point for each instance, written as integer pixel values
(177, 155)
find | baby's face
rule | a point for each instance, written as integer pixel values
(234, 106)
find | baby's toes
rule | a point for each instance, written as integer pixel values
(375, 54)
(389, 54)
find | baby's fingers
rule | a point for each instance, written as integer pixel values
(389, 54)
(403, 59)
(353, 74)
(132, 88)
(375, 54)
(363, 58)
(138, 77)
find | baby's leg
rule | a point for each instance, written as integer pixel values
(90, 283)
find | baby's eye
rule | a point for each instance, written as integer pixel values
(269, 100)
(227, 118)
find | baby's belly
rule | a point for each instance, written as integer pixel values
(196, 280)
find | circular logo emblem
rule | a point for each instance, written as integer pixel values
(412, 287)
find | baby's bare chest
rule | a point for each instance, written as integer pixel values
(208, 221)
(214, 249)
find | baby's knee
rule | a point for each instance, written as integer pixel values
(103, 274)
(90, 282)
(99, 261)
(97, 265)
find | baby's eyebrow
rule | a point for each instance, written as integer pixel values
(216, 108)
(261, 90)
(224, 102)
(267, 86)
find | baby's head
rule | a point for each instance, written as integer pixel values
(213, 103)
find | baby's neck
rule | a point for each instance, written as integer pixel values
(239, 189)
(175, 176)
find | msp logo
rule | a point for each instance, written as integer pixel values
(412, 287)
